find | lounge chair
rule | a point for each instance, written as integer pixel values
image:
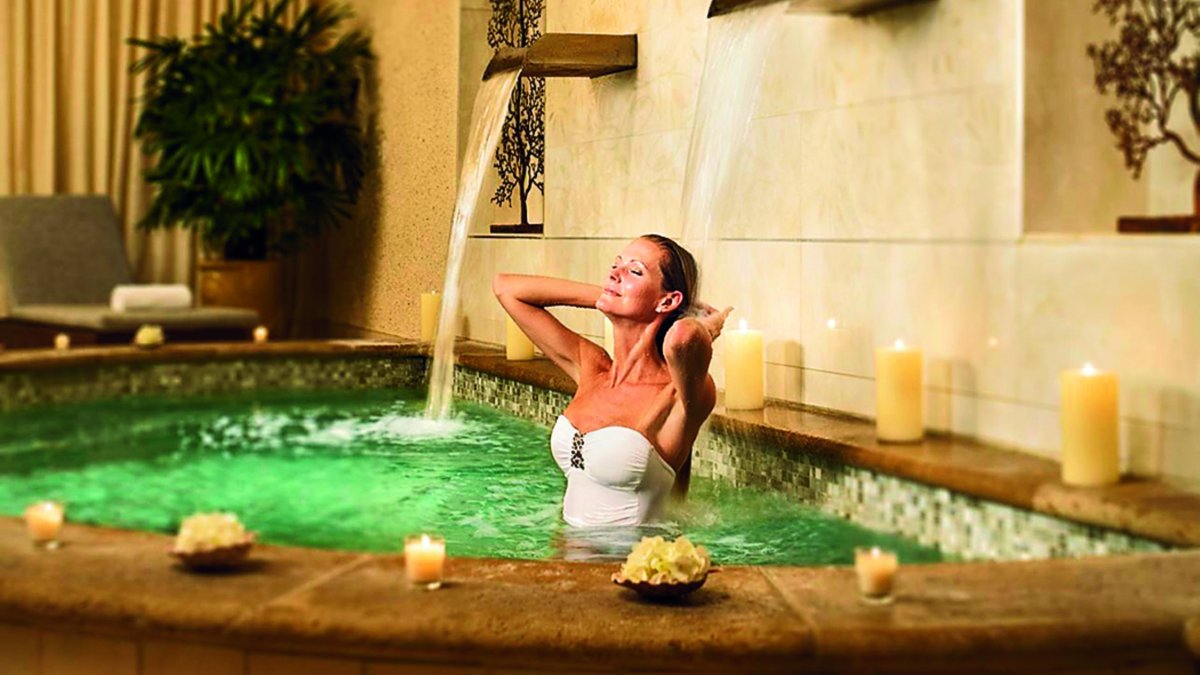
(60, 257)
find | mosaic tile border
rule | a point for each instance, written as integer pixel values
(86, 383)
(959, 525)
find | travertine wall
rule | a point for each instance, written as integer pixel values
(369, 275)
(888, 182)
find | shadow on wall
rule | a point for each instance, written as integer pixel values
(341, 262)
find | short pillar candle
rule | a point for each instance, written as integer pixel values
(743, 368)
(899, 408)
(431, 309)
(43, 521)
(424, 560)
(1090, 442)
(517, 347)
(876, 572)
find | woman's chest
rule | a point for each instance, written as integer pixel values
(637, 407)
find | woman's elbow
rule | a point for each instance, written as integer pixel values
(499, 284)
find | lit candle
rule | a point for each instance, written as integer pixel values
(43, 521)
(62, 341)
(743, 368)
(261, 334)
(424, 559)
(609, 340)
(1089, 427)
(899, 415)
(517, 347)
(431, 307)
(876, 571)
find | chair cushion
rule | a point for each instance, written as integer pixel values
(60, 249)
(100, 317)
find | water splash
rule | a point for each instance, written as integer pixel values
(734, 58)
(487, 116)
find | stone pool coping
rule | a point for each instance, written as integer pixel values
(1139, 506)
(1107, 610)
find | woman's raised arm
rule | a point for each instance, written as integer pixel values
(526, 298)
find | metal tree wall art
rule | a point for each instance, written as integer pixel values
(520, 156)
(1148, 68)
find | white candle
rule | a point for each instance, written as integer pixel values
(517, 347)
(876, 571)
(62, 341)
(424, 560)
(431, 308)
(43, 522)
(1090, 455)
(261, 334)
(899, 413)
(609, 340)
(743, 368)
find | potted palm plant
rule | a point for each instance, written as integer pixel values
(256, 146)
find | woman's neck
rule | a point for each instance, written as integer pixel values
(635, 355)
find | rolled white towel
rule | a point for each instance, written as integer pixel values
(150, 296)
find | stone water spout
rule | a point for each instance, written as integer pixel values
(850, 7)
(568, 55)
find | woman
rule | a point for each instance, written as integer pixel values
(626, 438)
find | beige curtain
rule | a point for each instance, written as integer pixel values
(67, 109)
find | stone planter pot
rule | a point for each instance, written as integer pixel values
(252, 284)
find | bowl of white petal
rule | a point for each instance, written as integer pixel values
(657, 568)
(212, 542)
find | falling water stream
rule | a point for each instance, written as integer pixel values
(487, 119)
(734, 58)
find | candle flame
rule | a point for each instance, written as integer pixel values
(875, 552)
(831, 323)
(742, 324)
(1089, 369)
(424, 540)
(899, 344)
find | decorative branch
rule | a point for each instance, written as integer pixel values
(1146, 75)
(522, 149)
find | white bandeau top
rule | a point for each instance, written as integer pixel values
(614, 475)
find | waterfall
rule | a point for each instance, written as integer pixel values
(733, 64)
(487, 119)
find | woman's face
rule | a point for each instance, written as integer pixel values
(634, 287)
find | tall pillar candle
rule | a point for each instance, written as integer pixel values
(517, 347)
(431, 308)
(743, 368)
(899, 406)
(1090, 445)
(609, 340)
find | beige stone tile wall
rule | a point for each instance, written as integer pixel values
(368, 275)
(893, 167)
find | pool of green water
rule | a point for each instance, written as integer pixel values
(359, 470)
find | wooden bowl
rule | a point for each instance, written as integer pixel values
(663, 591)
(216, 559)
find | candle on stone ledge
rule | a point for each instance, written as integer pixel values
(43, 521)
(62, 341)
(261, 334)
(899, 409)
(1090, 444)
(424, 560)
(876, 572)
(517, 347)
(431, 308)
(743, 368)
